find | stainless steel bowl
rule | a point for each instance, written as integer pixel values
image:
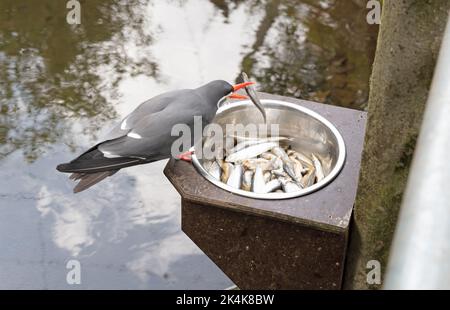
(311, 133)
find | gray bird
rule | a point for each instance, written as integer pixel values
(144, 136)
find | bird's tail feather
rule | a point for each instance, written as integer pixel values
(89, 179)
(92, 166)
(94, 161)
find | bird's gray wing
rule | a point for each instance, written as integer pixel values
(151, 137)
(149, 107)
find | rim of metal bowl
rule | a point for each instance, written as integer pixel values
(333, 173)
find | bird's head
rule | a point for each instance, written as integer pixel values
(215, 90)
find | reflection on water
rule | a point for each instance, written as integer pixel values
(51, 71)
(314, 50)
(62, 87)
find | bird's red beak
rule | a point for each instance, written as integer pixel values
(236, 88)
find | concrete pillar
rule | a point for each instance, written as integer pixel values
(408, 45)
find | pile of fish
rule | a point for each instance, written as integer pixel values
(263, 165)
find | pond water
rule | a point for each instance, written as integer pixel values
(63, 86)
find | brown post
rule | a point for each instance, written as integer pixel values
(297, 243)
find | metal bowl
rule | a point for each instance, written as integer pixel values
(311, 133)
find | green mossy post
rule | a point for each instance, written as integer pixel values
(407, 49)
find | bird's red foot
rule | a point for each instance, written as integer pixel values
(186, 156)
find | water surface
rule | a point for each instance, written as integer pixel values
(63, 86)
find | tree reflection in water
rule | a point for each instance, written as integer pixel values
(315, 50)
(51, 71)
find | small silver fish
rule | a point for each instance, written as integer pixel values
(298, 167)
(254, 96)
(272, 186)
(288, 165)
(243, 145)
(277, 163)
(308, 178)
(227, 169)
(264, 164)
(280, 173)
(290, 170)
(267, 175)
(247, 180)
(289, 186)
(240, 138)
(252, 163)
(249, 142)
(268, 156)
(303, 158)
(235, 179)
(258, 185)
(215, 170)
(251, 151)
(279, 152)
(319, 171)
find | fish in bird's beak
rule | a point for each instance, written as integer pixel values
(253, 95)
(236, 88)
(250, 92)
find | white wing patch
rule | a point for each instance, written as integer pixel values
(123, 126)
(134, 135)
(109, 155)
